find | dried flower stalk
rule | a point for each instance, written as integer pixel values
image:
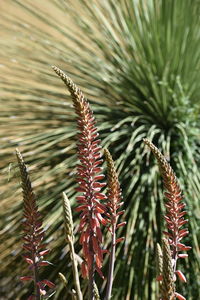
(70, 239)
(114, 203)
(34, 234)
(88, 178)
(174, 216)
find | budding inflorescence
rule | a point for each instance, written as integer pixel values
(90, 207)
(175, 212)
(33, 234)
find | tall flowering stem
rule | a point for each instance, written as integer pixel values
(33, 234)
(175, 212)
(114, 204)
(88, 178)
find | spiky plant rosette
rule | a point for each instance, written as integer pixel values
(138, 64)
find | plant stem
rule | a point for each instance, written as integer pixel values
(36, 279)
(79, 295)
(111, 264)
(91, 282)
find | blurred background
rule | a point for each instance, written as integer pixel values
(138, 63)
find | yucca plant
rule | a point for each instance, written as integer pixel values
(138, 63)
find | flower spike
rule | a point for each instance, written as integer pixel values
(174, 216)
(34, 233)
(90, 208)
(114, 204)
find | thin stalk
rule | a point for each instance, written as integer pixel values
(68, 220)
(111, 264)
(79, 295)
(91, 283)
(35, 277)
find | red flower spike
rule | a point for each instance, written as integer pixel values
(174, 211)
(32, 226)
(88, 178)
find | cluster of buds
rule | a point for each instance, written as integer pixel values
(174, 216)
(33, 234)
